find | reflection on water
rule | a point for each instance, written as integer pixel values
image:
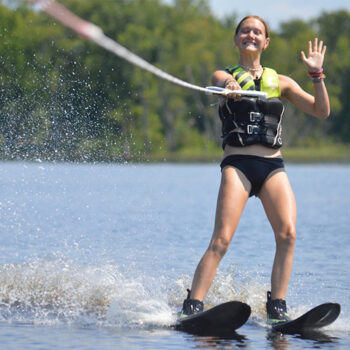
(279, 341)
(218, 341)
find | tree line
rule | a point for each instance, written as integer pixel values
(63, 98)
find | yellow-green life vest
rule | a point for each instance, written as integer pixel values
(269, 81)
(251, 120)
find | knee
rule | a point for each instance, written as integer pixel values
(286, 236)
(219, 246)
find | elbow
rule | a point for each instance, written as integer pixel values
(325, 110)
(323, 113)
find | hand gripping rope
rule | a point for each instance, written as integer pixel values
(95, 34)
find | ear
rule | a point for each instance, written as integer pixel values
(267, 42)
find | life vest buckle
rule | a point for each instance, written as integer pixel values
(255, 116)
(253, 129)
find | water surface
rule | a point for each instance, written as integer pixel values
(100, 256)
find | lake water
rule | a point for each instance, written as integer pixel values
(99, 256)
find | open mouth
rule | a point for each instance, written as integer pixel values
(250, 43)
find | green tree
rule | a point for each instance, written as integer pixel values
(66, 98)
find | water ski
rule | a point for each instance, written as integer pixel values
(318, 317)
(223, 318)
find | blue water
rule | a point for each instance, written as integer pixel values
(100, 256)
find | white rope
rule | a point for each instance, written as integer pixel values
(107, 43)
(95, 34)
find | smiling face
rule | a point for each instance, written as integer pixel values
(251, 36)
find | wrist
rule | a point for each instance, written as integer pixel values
(316, 76)
(315, 70)
(228, 81)
(317, 80)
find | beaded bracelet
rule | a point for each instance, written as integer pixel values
(317, 76)
(319, 79)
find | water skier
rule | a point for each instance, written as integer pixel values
(252, 162)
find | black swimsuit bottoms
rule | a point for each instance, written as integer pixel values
(256, 169)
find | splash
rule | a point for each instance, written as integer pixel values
(59, 292)
(251, 288)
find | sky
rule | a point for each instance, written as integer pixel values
(275, 12)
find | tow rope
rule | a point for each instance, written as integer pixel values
(95, 34)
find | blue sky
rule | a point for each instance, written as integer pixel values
(275, 12)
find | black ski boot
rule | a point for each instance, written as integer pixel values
(276, 310)
(191, 306)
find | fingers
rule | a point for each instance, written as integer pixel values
(310, 48)
(232, 85)
(236, 97)
(317, 47)
(320, 46)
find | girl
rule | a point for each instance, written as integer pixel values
(252, 162)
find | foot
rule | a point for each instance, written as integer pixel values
(191, 306)
(276, 310)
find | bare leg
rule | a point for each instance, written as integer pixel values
(233, 195)
(278, 200)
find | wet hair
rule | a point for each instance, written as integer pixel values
(256, 17)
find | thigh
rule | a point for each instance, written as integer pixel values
(278, 200)
(233, 195)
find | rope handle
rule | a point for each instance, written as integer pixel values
(215, 90)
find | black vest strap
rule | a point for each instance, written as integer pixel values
(251, 121)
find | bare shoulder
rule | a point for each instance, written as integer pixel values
(220, 74)
(219, 77)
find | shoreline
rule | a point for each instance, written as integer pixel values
(315, 154)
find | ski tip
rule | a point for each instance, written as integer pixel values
(318, 317)
(227, 316)
(334, 307)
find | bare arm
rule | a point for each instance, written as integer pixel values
(318, 104)
(225, 80)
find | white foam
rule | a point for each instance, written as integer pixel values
(58, 291)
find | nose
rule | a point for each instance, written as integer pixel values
(251, 33)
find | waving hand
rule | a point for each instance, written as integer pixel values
(315, 58)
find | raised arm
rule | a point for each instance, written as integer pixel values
(318, 104)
